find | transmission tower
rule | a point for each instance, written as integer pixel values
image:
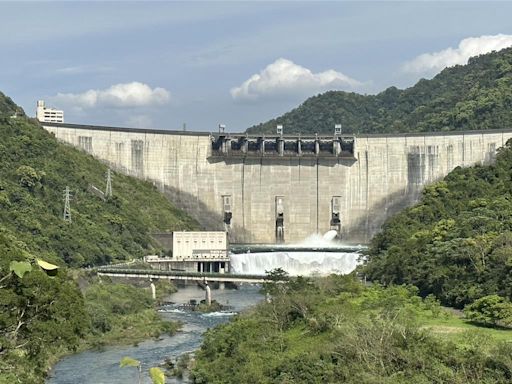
(67, 208)
(108, 189)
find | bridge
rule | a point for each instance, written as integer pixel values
(268, 189)
(180, 275)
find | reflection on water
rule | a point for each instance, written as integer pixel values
(103, 367)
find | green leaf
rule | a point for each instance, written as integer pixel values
(50, 269)
(157, 375)
(20, 268)
(129, 362)
(46, 266)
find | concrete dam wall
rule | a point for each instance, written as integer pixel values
(283, 189)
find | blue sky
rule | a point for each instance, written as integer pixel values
(162, 64)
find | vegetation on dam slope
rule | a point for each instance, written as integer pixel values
(43, 316)
(456, 243)
(34, 171)
(464, 97)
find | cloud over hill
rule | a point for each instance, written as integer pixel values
(134, 94)
(471, 46)
(284, 78)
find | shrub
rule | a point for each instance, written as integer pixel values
(490, 310)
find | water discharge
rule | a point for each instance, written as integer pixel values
(93, 367)
(301, 260)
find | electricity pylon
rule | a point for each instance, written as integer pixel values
(67, 207)
(108, 189)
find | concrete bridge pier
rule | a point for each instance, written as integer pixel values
(208, 294)
(221, 284)
(153, 291)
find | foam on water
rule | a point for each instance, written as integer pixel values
(218, 314)
(172, 310)
(304, 263)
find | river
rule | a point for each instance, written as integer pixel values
(95, 367)
(102, 367)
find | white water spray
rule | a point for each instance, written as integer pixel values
(297, 262)
(330, 235)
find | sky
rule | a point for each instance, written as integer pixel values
(194, 65)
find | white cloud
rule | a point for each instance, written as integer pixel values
(133, 94)
(139, 121)
(81, 69)
(283, 77)
(472, 46)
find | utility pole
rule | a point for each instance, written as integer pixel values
(108, 189)
(67, 208)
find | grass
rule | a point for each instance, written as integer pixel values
(453, 326)
(132, 329)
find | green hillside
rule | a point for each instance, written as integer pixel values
(34, 171)
(41, 316)
(336, 330)
(456, 243)
(474, 96)
(8, 107)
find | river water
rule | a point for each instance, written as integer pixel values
(102, 367)
(95, 367)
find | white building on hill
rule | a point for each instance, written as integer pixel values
(48, 115)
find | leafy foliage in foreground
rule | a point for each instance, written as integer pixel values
(156, 374)
(39, 316)
(456, 243)
(43, 317)
(474, 96)
(334, 330)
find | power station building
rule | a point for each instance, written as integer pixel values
(195, 251)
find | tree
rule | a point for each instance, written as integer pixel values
(273, 281)
(490, 310)
(28, 177)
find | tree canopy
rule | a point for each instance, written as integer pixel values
(34, 171)
(464, 97)
(456, 243)
(42, 310)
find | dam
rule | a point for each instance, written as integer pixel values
(282, 188)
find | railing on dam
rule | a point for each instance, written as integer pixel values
(180, 275)
(259, 248)
(237, 146)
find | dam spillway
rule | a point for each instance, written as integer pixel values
(282, 189)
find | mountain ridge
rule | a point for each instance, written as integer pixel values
(475, 96)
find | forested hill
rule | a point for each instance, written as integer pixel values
(456, 243)
(34, 171)
(42, 317)
(8, 107)
(473, 96)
